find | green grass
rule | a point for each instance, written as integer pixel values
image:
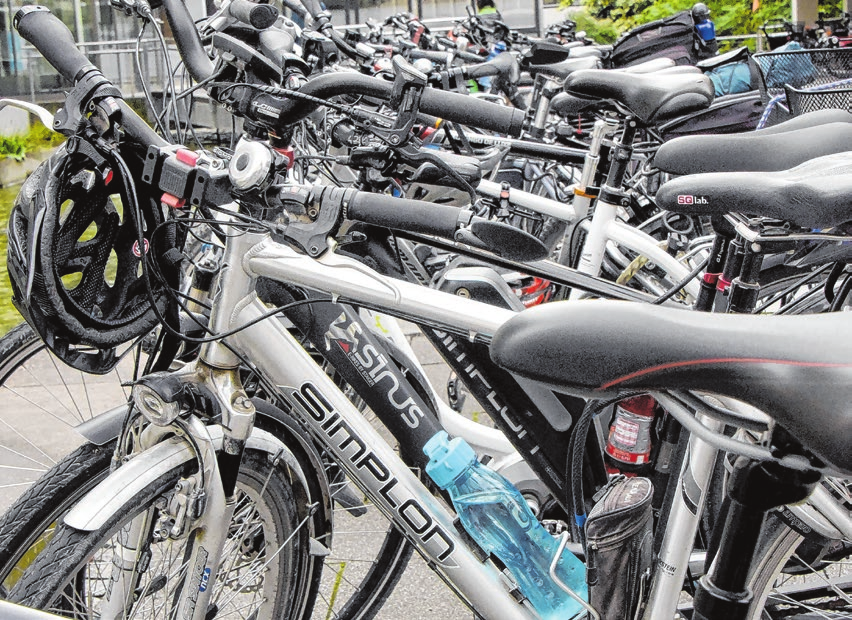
(38, 136)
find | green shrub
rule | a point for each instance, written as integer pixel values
(731, 18)
(36, 137)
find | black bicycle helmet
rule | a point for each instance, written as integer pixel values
(700, 12)
(74, 255)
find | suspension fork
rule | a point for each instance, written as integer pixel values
(207, 520)
(754, 488)
(207, 511)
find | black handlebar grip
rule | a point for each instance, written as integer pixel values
(472, 111)
(260, 16)
(469, 57)
(53, 40)
(404, 214)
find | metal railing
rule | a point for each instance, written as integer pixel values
(37, 80)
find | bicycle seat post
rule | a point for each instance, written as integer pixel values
(754, 489)
(611, 197)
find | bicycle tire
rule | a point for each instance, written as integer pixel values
(786, 585)
(27, 527)
(266, 523)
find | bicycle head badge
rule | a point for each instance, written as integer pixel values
(75, 258)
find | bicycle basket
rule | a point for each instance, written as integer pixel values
(801, 69)
(804, 101)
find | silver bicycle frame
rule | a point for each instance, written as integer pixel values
(357, 447)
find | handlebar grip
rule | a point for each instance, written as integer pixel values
(404, 214)
(260, 16)
(53, 40)
(469, 57)
(502, 63)
(472, 111)
(442, 104)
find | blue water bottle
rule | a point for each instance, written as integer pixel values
(498, 518)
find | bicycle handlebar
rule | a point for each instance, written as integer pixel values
(503, 63)
(442, 104)
(188, 41)
(417, 216)
(260, 16)
(406, 214)
(53, 40)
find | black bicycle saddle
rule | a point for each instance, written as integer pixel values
(786, 145)
(650, 97)
(815, 194)
(798, 369)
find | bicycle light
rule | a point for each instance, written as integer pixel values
(158, 399)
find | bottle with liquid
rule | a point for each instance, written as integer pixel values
(628, 447)
(498, 518)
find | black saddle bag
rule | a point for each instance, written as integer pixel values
(619, 547)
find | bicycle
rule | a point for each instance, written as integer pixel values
(328, 405)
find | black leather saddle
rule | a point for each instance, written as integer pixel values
(797, 369)
(815, 194)
(786, 145)
(650, 97)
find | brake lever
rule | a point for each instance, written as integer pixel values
(416, 157)
(502, 239)
(43, 115)
(408, 85)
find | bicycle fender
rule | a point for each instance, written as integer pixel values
(10, 611)
(102, 502)
(107, 426)
(104, 427)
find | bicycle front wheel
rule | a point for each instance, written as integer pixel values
(797, 577)
(266, 571)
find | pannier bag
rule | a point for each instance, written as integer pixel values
(619, 547)
(672, 37)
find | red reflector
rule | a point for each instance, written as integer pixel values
(172, 201)
(187, 157)
(108, 176)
